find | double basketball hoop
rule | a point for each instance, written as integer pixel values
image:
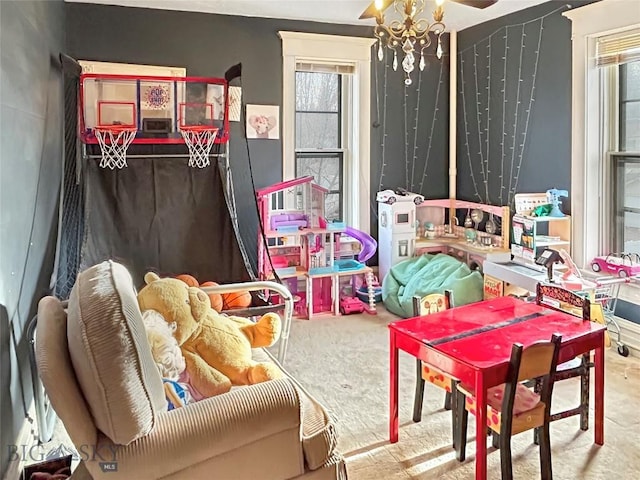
(114, 140)
(117, 111)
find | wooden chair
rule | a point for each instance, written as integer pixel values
(426, 305)
(558, 298)
(513, 408)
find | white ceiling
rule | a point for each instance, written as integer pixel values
(457, 17)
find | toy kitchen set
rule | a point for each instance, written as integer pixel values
(409, 225)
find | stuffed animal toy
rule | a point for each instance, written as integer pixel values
(217, 348)
(169, 359)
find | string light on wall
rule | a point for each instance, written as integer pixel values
(498, 137)
(408, 35)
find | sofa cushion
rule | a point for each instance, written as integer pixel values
(110, 353)
(317, 428)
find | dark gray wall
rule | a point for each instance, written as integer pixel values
(32, 33)
(543, 126)
(208, 44)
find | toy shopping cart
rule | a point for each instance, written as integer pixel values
(605, 293)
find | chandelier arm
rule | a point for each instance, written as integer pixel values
(388, 34)
(437, 27)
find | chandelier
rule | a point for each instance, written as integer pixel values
(409, 35)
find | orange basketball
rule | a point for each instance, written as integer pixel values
(216, 298)
(236, 300)
(188, 279)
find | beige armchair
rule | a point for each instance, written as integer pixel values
(97, 370)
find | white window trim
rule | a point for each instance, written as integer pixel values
(297, 46)
(589, 123)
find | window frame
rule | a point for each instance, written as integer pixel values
(620, 157)
(355, 51)
(619, 160)
(594, 133)
(336, 152)
(339, 155)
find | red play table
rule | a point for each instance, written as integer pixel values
(473, 343)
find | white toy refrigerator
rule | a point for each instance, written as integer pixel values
(396, 234)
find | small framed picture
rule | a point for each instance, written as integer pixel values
(263, 121)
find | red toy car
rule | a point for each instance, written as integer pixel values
(620, 264)
(349, 305)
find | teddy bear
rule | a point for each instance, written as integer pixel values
(216, 347)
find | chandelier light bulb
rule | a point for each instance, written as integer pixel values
(378, 4)
(439, 3)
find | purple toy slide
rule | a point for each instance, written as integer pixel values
(369, 243)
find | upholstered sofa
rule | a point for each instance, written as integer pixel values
(96, 367)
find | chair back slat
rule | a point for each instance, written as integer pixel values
(557, 298)
(432, 303)
(536, 361)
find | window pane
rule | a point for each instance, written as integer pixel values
(628, 204)
(630, 81)
(317, 92)
(317, 130)
(631, 240)
(631, 175)
(630, 107)
(630, 128)
(327, 172)
(332, 207)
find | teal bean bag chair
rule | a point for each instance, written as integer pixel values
(429, 274)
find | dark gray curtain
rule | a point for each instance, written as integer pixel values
(160, 214)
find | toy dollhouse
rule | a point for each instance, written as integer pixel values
(303, 248)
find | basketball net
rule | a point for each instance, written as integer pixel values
(199, 140)
(114, 141)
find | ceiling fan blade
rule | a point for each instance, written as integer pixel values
(371, 11)
(476, 3)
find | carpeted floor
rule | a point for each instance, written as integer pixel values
(343, 361)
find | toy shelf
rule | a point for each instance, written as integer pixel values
(533, 234)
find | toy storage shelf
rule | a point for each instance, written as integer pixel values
(532, 234)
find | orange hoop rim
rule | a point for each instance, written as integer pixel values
(115, 128)
(198, 128)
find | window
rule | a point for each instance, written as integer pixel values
(326, 119)
(626, 159)
(604, 193)
(318, 132)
